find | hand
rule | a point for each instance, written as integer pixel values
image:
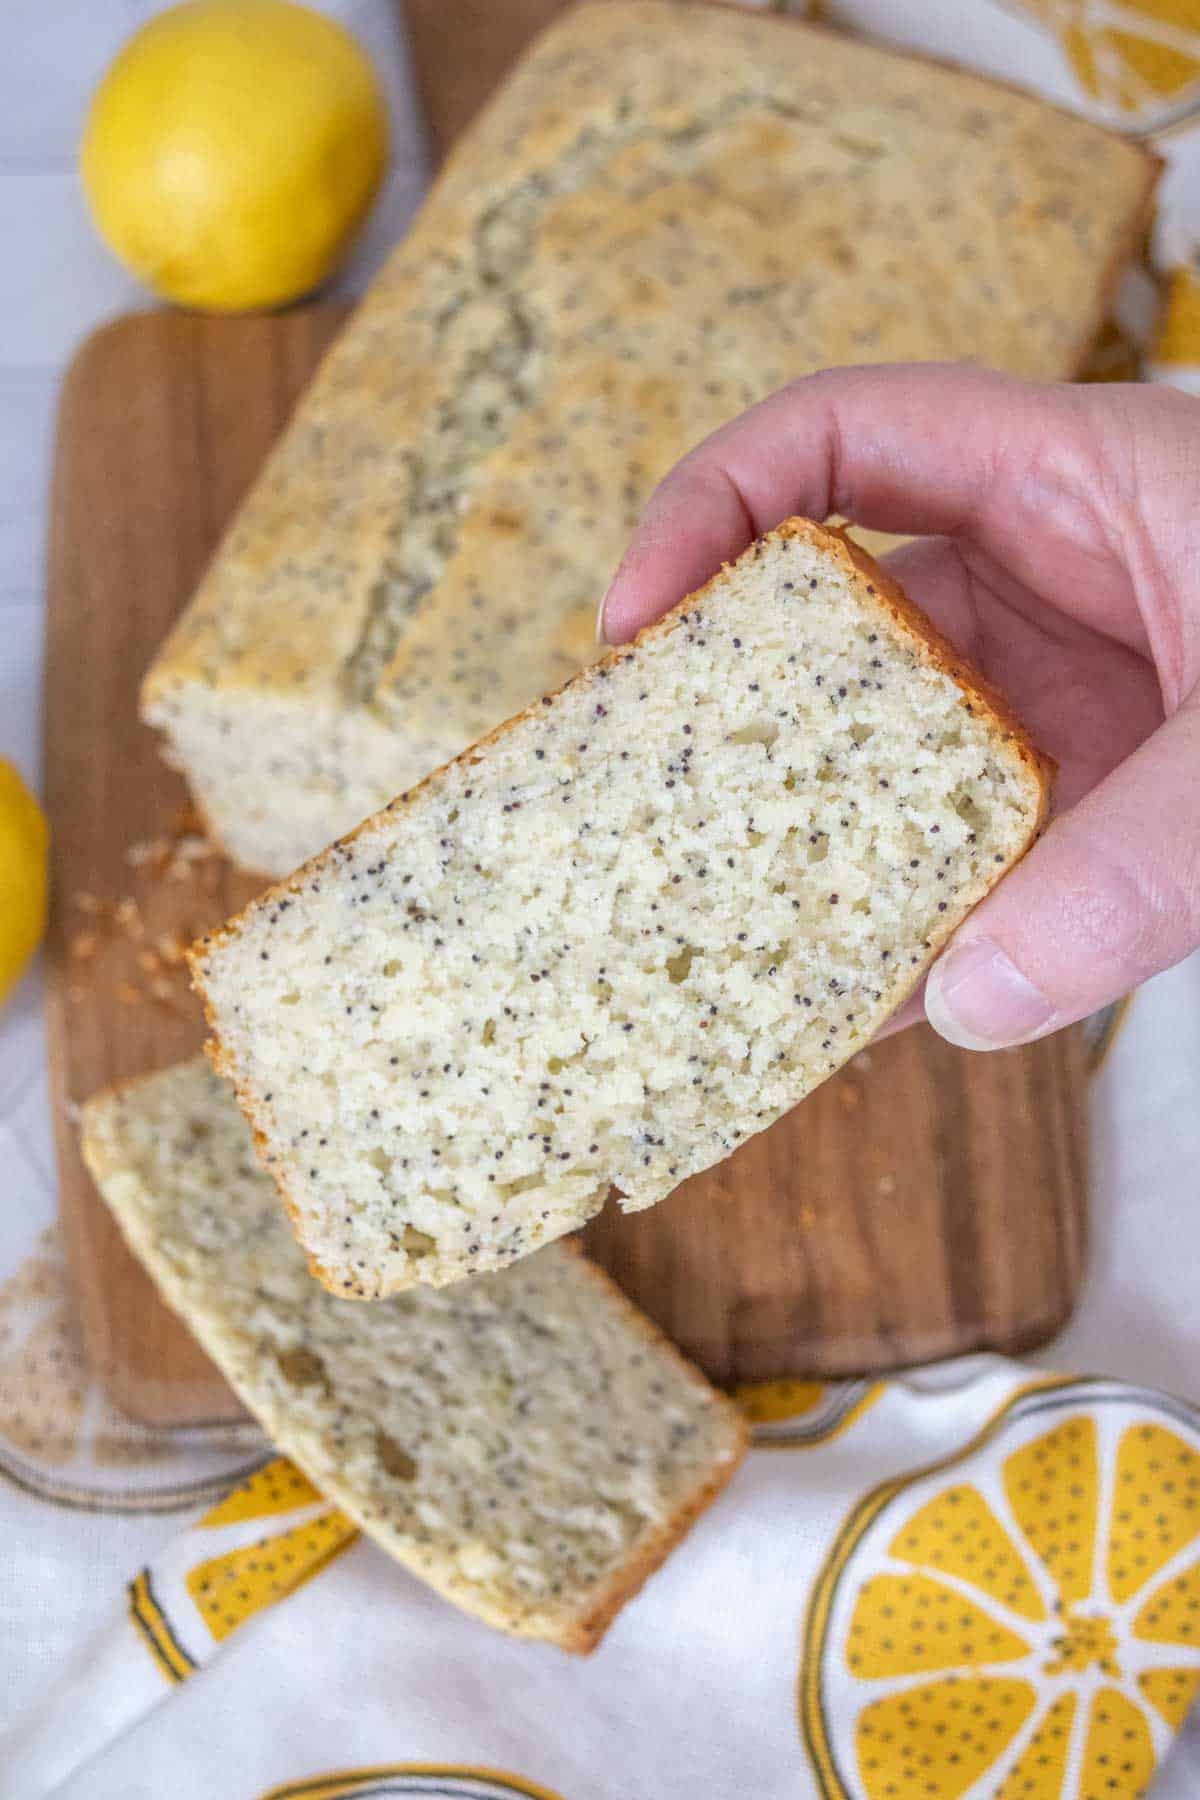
(1066, 565)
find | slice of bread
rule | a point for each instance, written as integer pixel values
(627, 930)
(667, 213)
(528, 1444)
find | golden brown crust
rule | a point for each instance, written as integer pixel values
(1128, 247)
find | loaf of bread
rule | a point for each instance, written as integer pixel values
(529, 1445)
(668, 212)
(629, 929)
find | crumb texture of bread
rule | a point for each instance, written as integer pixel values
(527, 1444)
(667, 213)
(631, 928)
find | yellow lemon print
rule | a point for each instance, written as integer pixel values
(1136, 58)
(1021, 1620)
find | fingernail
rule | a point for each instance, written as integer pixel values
(977, 998)
(600, 639)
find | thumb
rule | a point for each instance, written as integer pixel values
(1108, 897)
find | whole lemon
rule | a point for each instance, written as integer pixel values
(232, 150)
(24, 839)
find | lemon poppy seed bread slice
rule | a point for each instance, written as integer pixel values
(631, 927)
(528, 1444)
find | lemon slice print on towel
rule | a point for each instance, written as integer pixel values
(1139, 60)
(1022, 1620)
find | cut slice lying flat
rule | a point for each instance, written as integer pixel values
(630, 928)
(528, 1444)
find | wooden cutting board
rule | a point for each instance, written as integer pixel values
(923, 1202)
(462, 49)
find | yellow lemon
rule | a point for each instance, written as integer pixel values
(24, 839)
(232, 150)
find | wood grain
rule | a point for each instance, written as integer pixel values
(164, 420)
(922, 1203)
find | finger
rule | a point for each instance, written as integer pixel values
(1110, 896)
(917, 448)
